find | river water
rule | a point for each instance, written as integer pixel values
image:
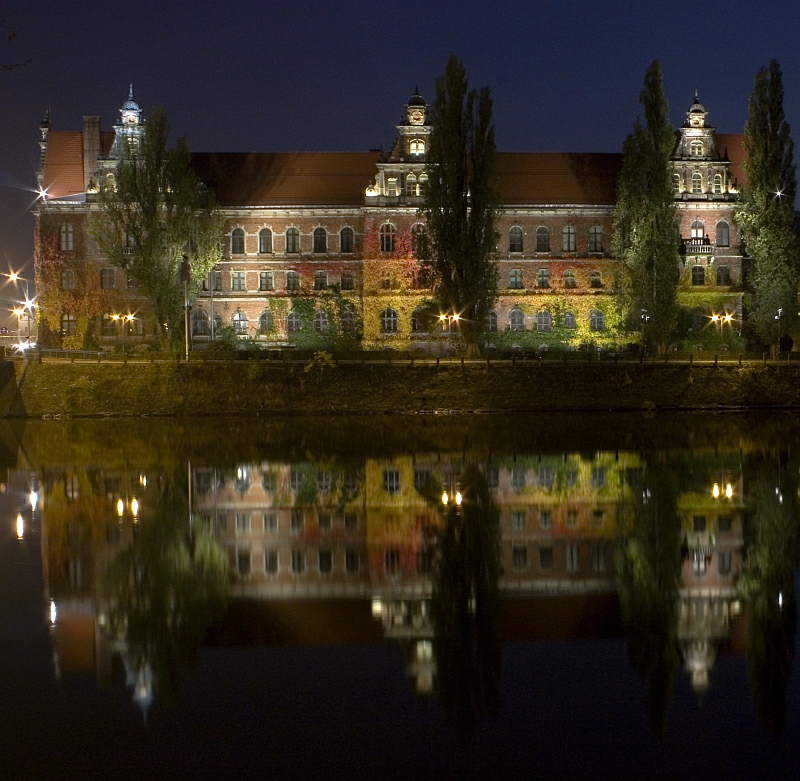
(443, 596)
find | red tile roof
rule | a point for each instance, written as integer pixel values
(63, 164)
(558, 178)
(287, 178)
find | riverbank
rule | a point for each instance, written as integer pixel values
(60, 388)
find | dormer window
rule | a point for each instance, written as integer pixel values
(696, 149)
(676, 182)
(416, 146)
(391, 186)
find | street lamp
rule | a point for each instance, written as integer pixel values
(778, 318)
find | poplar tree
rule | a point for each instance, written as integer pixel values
(766, 214)
(155, 214)
(461, 203)
(646, 231)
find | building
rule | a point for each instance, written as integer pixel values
(319, 247)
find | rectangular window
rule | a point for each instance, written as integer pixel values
(595, 280)
(108, 280)
(724, 523)
(270, 561)
(391, 481)
(573, 558)
(519, 558)
(598, 558)
(350, 521)
(518, 520)
(297, 520)
(723, 275)
(298, 562)
(266, 281)
(422, 479)
(544, 278)
(237, 280)
(572, 519)
(243, 563)
(515, 279)
(108, 327)
(271, 522)
(325, 562)
(348, 283)
(724, 562)
(324, 521)
(346, 241)
(351, 560)
(544, 519)
(242, 523)
(699, 523)
(546, 558)
(391, 561)
(292, 280)
(217, 280)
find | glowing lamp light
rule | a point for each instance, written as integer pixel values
(33, 498)
(715, 491)
(120, 507)
(714, 318)
(53, 612)
(456, 317)
(134, 507)
(445, 497)
(728, 318)
(377, 608)
(728, 491)
(458, 498)
(20, 526)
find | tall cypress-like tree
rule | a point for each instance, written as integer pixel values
(766, 214)
(461, 202)
(646, 232)
(154, 214)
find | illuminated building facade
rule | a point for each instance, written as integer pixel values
(319, 247)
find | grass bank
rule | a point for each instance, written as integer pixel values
(35, 389)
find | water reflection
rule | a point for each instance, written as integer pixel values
(688, 554)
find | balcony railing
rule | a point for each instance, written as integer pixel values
(697, 246)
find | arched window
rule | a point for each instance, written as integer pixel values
(543, 278)
(265, 322)
(676, 182)
(320, 240)
(544, 321)
(200, 323)
(346, 240)
(293, 322)
(348, 321)
(320, 280)
(515, 239)
(423, 180)
(292, 240)
(412, 188)
(266, 281)
(292, 280)
(568, 238)
(697, 183)
(569, 280)
(387, 237)
(417, 321)
(696, 149)
(597, 321)
(68, 279)
(66, 242)
(321, 321)
(265, 241)
(68, 325)
(595, 239)
(697, 230)
(491, 322)
(416, 146)
(542, 239)
(348, 281)
(237, 241)
(389, 321)
(240, 323)
(698, 275)
(718, 184)
(723, 234)
(516, 320)
(569, 320)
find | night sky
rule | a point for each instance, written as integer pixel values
(244, 75)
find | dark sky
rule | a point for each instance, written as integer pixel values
(257, 75)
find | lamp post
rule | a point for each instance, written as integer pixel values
(778, 318)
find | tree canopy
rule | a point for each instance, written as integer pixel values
(766, 214)
(461, 202)
(646, 232)
(153, 214)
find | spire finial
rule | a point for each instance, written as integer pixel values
(416, 89)
(130, 92)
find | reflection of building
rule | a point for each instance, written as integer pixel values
(319, 247)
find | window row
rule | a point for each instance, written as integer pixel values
(568, 239)
(515, 281)
(544, 321)
(298, 561)
(267, 522)
(572, 560)
(723, 275)
(697, 233)
(266, 281)
(519, 517)
(321, 322)
(408, 184)
(695, 184)
(292, 236)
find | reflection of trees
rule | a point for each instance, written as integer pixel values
(648, 571)
(164, 590)
(767, 583)
(465, 567)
